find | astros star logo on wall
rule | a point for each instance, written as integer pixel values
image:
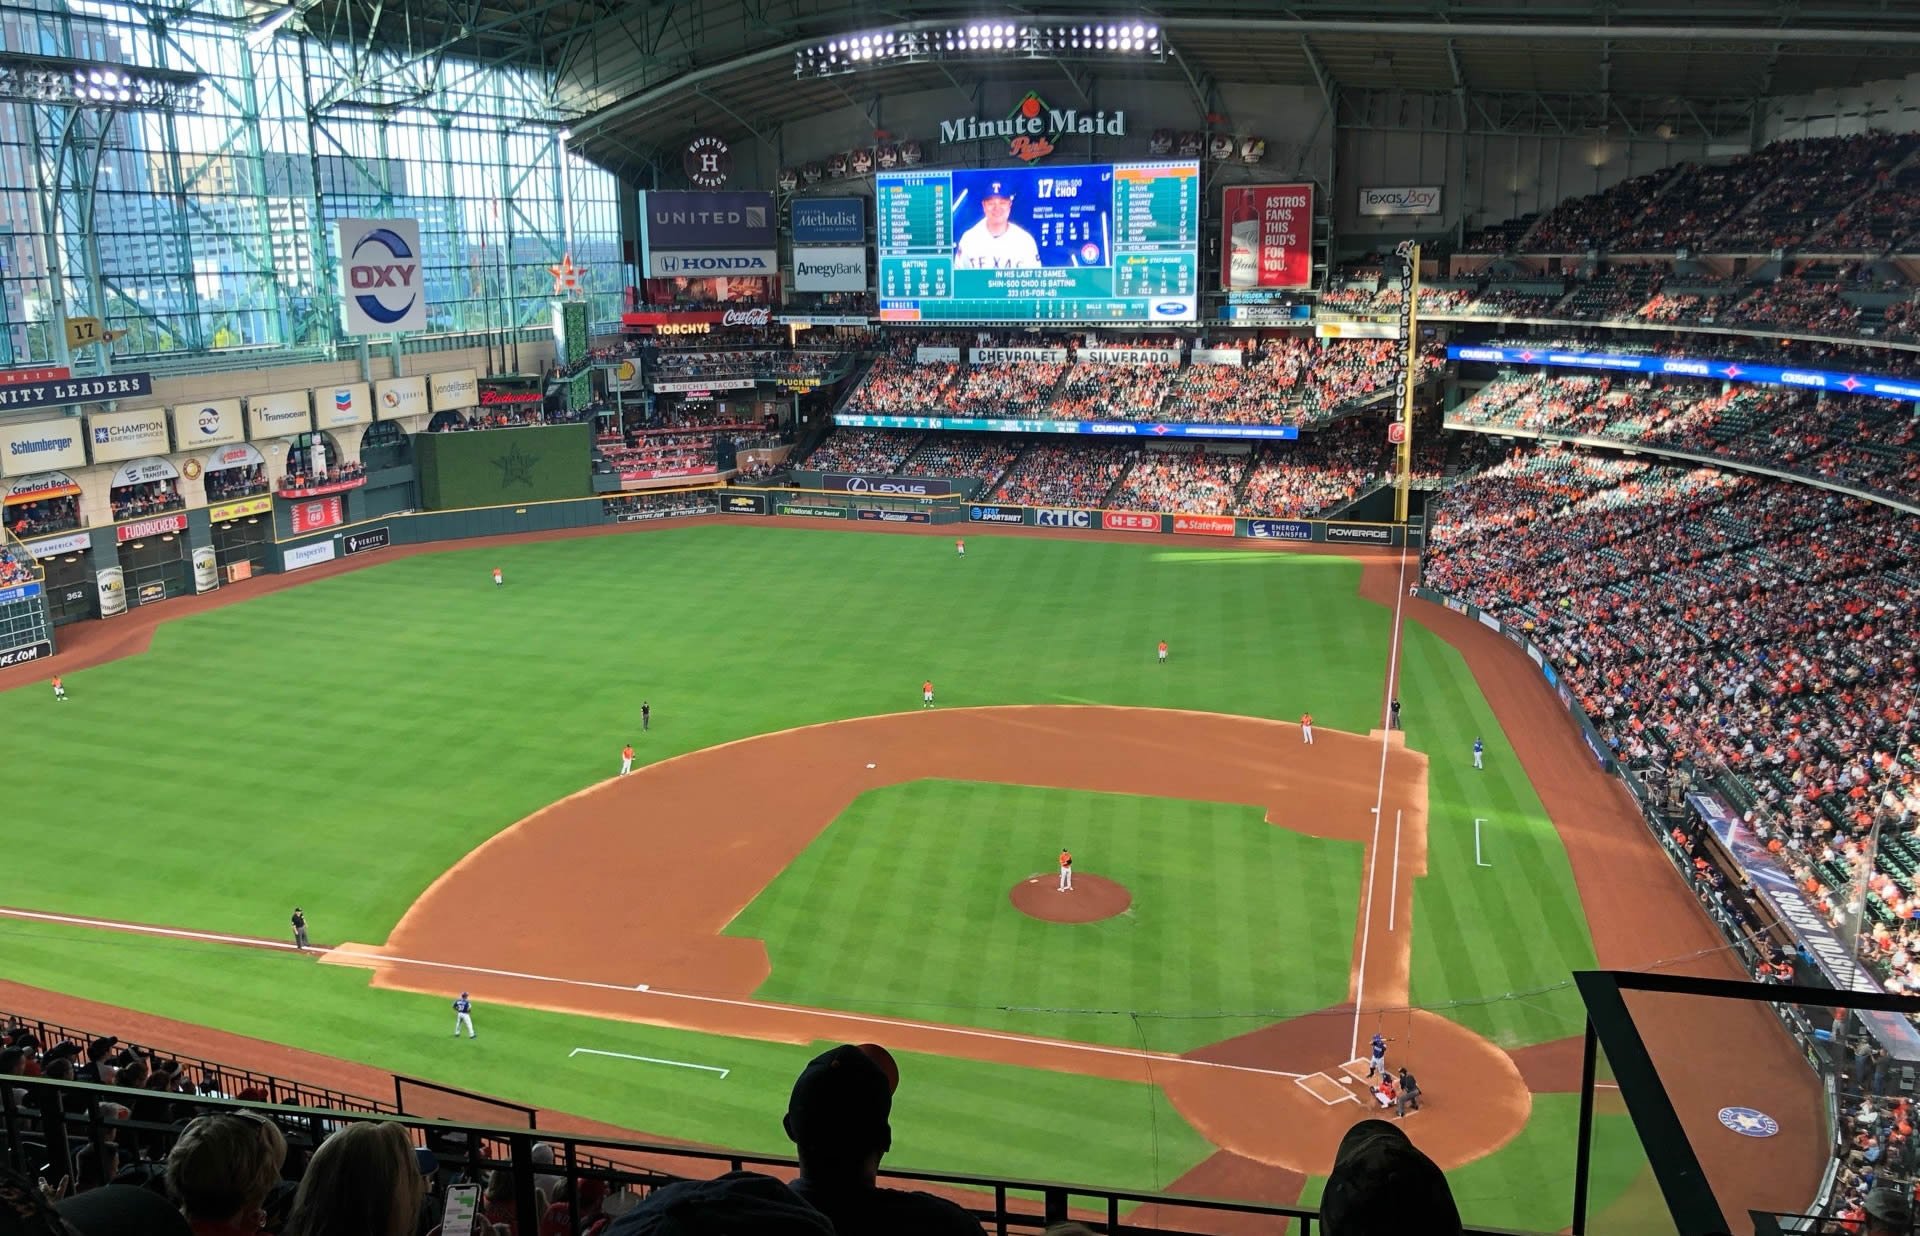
(516, 466)
(566, 276)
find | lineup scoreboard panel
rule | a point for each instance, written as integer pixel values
(1098, 243)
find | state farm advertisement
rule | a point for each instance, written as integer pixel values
(316, 514)
(1269, 237)
(1129, 521)
(1204, 525)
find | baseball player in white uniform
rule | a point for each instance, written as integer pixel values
(996, 242)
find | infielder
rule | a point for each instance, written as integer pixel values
(926, 694)
(1163, 652)
(626, 759)
(463, 1016)
(1477, 749)
(1378, 1064)
(996, 242)
(1066, 872)
(59, 689)
(1306, 728)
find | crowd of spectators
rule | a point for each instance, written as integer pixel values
(1000, 390)
(1871, 444)
(1063, 475)
(1190, 481)
(901, 385)
(348, 472)
(1092, 391)
(661, 454)
(226, 484)
(675, 504)
(879, 452)
(986, 456)
(43, 516)
(14, 568)
(146, 498)
(1321, 472)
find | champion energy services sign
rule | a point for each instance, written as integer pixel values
(381, 291)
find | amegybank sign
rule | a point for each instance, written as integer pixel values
(36, 446)
(830, 269)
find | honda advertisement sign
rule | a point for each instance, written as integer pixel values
(381, 290)
(1269, 237)
(913, 486)
(830, 270)
(830, 221)
(685, 234)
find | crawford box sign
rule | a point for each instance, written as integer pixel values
(211, 422)
(39, 445)
(127, 435)
(381, 291)
(278, 416)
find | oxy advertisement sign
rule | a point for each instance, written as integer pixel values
(457, 388)
(1268, 242)
(716, 233)
(381, 289)
(306, 556)
(38, 446)
(1053, 517)
(830, 270)
(829, 221)
(1279, 529)
(1129, 521)
(279, 416)
(400, 397)
(1204, 525)
(127, 435)
(913, 485)
(1391, 200)
(349, 403)
(996, 515)
(211, 422)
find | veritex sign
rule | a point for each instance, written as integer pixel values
(54, 392)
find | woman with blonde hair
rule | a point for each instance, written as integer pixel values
(363, 1181)
(221, 1170)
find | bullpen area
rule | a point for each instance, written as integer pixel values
(427, 763)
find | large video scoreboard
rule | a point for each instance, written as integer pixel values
(1101, 243)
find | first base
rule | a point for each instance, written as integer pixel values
(872, 766)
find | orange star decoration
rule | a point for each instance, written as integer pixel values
(566, 276)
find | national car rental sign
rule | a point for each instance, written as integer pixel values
(381, 291)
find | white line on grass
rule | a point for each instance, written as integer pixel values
(1393, 886)
(923, 1027)
(1379, 799)
(1477, 822)
(620, 1055)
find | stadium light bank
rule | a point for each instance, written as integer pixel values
(1129, 39)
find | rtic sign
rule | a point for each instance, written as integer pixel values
(381, 291)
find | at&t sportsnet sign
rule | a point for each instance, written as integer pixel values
(996, 515)
(381, 289)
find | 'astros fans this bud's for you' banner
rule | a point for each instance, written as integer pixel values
(381, 290)
(692, 234)
(1269, 237)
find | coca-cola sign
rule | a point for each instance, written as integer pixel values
(760, 316)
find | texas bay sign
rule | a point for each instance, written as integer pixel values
(1031, 127)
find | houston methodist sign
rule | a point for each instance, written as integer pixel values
(380, 277)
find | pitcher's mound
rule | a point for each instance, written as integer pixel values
(1090, 900)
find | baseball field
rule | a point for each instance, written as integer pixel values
(427, 765)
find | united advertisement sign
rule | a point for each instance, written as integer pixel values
(733, 233)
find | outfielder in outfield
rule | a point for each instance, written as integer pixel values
(1163, 652)
(926, 694)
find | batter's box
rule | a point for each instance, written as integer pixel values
(1325, 1088)
(1357, 1070)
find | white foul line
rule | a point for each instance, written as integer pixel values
(1477, 822)
(1393, 883)
(620, 1055)
(922, 1027)
(1379, 800)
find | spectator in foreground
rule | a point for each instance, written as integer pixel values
(737, 1204)
(1381, 1185)
(837, 1118)
(363, 1181)
(221, 1170)
(1888, 1213)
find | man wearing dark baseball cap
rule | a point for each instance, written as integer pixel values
(113, 1210)
(736, 1204)
(838, 1120)
(1381, 1185)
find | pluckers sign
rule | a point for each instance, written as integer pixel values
(1032, 127)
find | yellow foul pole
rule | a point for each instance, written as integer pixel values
(1410, 360)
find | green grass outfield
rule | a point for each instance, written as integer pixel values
(929, 864)
(340, 744)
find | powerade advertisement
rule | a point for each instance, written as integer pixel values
(1096, 243)
(1103, 429)
(830, 221)
(1698, 367)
